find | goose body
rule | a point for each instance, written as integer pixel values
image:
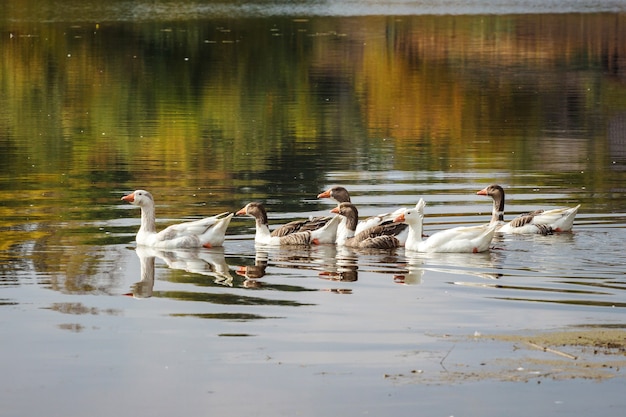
(463, 239)
(207, 232)
(303, 225)
(382, 236)
(536, 222)
(341, 195)
(325, 234)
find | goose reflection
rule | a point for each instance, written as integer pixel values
(293, 257)
(343, 266)
(337, 264)
(483, 265)
(208, 262)
(252, 273)
(197, 261)
(143, 288)
(414, 271)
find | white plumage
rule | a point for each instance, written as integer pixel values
(207, 232)
(470, 239)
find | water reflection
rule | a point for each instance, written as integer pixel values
(196, 261)
(494, 101)
(201, 263)
(343, 267)
(414, 273)
(184, 10)
(144, 287)
(484, 265)
(253, 272)
(313, 257)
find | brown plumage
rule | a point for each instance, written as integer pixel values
(325, 234)
(305, 225)
(383, 236)
(535, 222)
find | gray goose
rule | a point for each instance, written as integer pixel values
(535, 222)
(384, 236)
(325, 234)
(340, 195)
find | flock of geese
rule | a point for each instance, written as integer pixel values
(403, 227)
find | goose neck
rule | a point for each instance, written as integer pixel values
(148, 219)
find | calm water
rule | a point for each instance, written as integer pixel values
(211, 107)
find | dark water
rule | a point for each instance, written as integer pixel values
(213, 105)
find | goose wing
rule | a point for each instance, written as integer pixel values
(301, 226)
(380, 242)
(192, 228)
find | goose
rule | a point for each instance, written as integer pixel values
(384, 236)
(463, 239)
(535, 222)
(304, 225)
(207, 232)
(263, 236)
(341, 195)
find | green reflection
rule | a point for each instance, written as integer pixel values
(226, 298)
(96, 101)
(226, 316)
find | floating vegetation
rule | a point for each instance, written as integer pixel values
(596, 354)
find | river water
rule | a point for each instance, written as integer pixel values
(210, 106)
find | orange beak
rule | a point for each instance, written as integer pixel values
(325, 194)
(335, 210)
(399, 219)
(482, 192)
(129, 198)
(241, 212)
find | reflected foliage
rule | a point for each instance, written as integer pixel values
(226, 298)
(227, 316)
(240, 102)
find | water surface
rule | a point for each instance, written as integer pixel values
(209, 112)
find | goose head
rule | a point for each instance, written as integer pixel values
(255, 210)
(494, 191)
(339, 194)
(413, 215)
(349, 211)
(140, 198)
(410, 216)
(497, 193)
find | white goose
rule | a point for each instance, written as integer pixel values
(263, 236)
(207, 232)
(463, 239)
(536, 222)
(341, 195)
(384, 236)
